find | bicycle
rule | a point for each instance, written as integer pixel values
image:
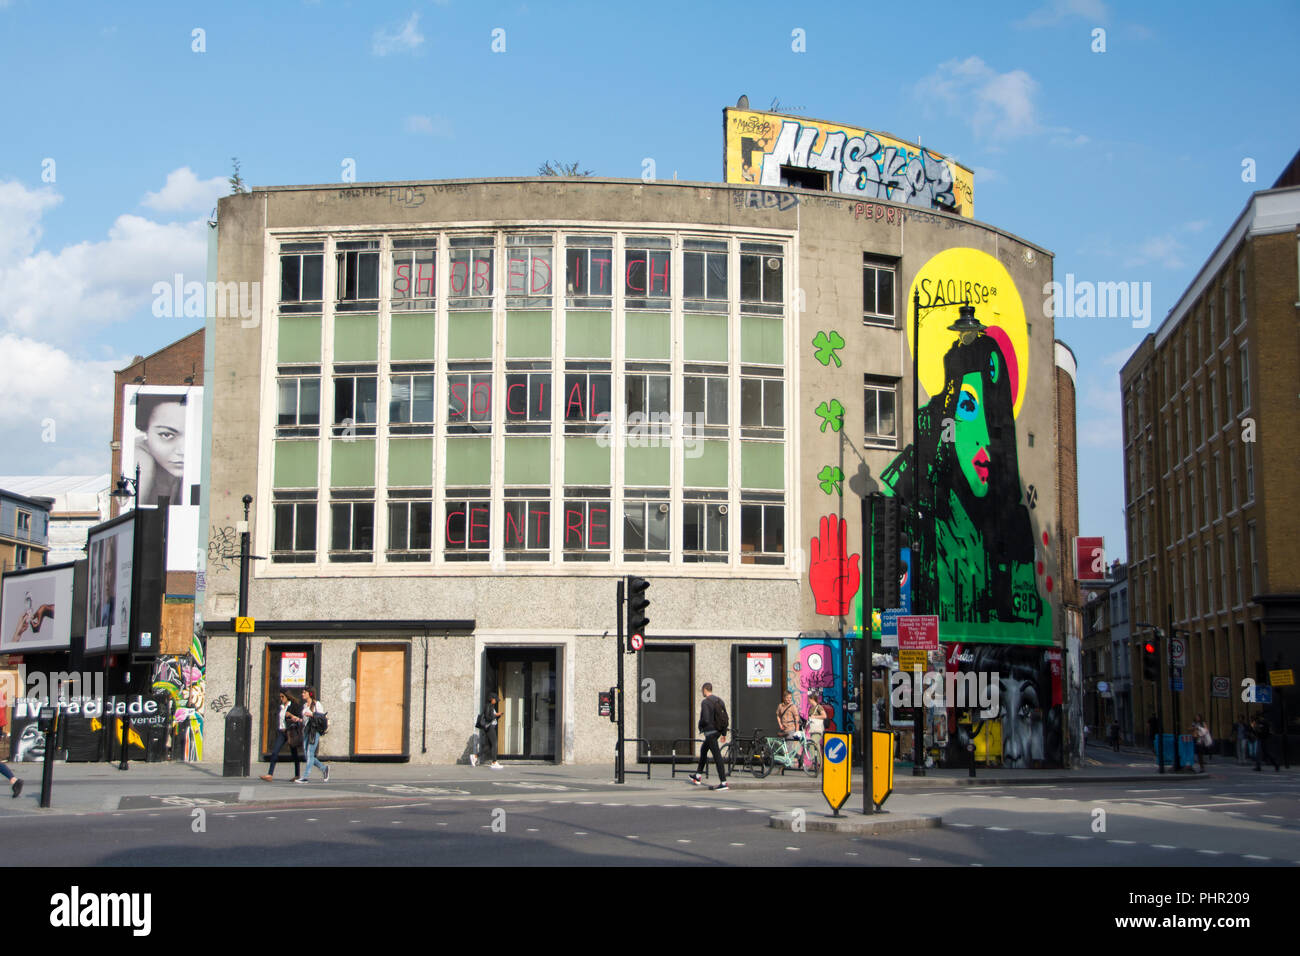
(796, 753)
(746, 751)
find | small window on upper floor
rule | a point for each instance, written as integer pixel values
(704, 265)
(358, 275)
(530, 271)
(302, 276)
(647, 282)
(415, 263)
(762, 278)
(878, 307)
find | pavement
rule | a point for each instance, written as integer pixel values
(101, 787)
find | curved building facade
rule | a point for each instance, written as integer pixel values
(466, 409)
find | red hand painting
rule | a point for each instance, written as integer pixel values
(832, 574)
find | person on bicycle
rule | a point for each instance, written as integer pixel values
(787, 717)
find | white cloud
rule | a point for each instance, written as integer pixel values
(997, 105)
(1163, 250)
(1115, 360)
(47, 393)
(438, 126)
(64, 293)
(408, 37)
(185, 192)
(985, 175)
(1056, 11)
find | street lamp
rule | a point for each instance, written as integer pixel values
(969, 328)
(239, 722)
(126, 488)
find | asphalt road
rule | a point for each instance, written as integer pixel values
(1188, 822)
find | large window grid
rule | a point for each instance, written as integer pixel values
(647, 279)
(469, 398)
(704, 275)
(704, 526)
(467, 531)
(293, 534)
(411, 400)
(585, 533)
(298, 402)
(471, 276)
(762, 402)
(355, 401)
(528, 398)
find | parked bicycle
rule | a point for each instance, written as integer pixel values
(798, 752)
(745, 752)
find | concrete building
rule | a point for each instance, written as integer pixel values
(24, 531)
(79, 503)
(1211, 467)
(1107, 669)
(466, 408)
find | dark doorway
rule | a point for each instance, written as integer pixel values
(665, 694)
(526, 680)
(757, 681)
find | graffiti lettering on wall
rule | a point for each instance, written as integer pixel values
(223, 549)
(183, 680)
(763, 149)
(764, 199)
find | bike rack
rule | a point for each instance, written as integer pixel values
(685, 740)
(640, 740)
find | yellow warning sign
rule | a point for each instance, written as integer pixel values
(882, 767)
(837, 781)
(244, 625)
(1284, 678)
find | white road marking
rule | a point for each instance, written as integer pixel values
(1211, 852)
(683, 841)
(1075, 836)
(1162, 846)
(914, 859)
(795, 848)
(998, 829)
(737, 844)
(441, 824)
(632, 836)
(1252, 856)
(1123, 842)
(963, 826)
(579, 832)
(532, 829)
(1039, 833)
(312, 820)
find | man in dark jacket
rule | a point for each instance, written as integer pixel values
(713, 725)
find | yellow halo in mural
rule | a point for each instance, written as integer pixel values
(950, 277)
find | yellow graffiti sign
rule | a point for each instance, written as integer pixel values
(969, 274)
(849, 160)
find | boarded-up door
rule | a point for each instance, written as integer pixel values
(381, 700)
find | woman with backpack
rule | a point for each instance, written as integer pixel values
(314, 723)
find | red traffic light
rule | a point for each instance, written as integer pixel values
(1149, 647)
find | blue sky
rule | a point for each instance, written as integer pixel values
(1126, 163)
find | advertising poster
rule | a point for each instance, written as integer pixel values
(162, 432)
(758, 670)
(293, 669)
(108, 606)
(36, 611)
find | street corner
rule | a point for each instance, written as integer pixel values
(856, 824)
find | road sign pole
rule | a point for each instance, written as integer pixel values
(868, 716)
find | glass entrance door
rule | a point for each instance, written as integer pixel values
(526, 681)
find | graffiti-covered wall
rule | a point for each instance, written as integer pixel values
(856, 162)
(182, 679)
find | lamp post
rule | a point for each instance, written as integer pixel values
(126, 488)
(239, 723)
(968, 328)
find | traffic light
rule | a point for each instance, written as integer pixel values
(637, 602)
(1150, 660)
(886, 542)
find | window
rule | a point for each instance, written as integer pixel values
(1227, 388)
(762, 532)
(415, 264)
(1248, 448)
(528, 399)
(704, 401)
(880, 402)
(1209, 311)
(1146, 530)
(646, 279)
(1232, 474)
(1214, 404)
(1205, 492)
(355, 405)
(704, 275)
(410, 404)
(762, 278)
(762, 403)
(878, 306)
(358, 275)
(586, 398)
(1187, 592)
(1178, 436)
(589, 272)
(24, 522)
(410, 526)
(1227, 304)
(586, 524)
(1200, 401)
(467, 532)
(1191, 501)
(646, 398)
(1182, 511)
(352, 528)
(1245, 377)
(471, 262)
(1241, 291)
(20, 557)
(529, 271)
(302, 276)
(294, 533)
(1223, 573)
(1236, 565)
(469, 400)
(645, 527)
(1254, 561)
(527, 524)
(1218, 486)
(704, 526)
(298, 406)
(1191, 441)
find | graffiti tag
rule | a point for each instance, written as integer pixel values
(764, 199)
(221, 704)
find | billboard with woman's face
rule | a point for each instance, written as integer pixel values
(108, 610)
(36, 611)
(162, 429)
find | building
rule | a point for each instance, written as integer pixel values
(24, 531)
(1067, 521)
(1210, 468)
(1107, 670)
(80, 503)
(466, 408)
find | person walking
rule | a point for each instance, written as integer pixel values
(1201, 734)
(714, 724)
(288, 730)
(1153, 728)
(1114, 735)
(1262, 749)
(15, 783)
(312, 710)
(816, 718)
(1241, 733)
(487, 735)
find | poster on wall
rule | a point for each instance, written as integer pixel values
(758, 670)
(36, 610)
(162, 432)
(293, 669)
(108, 608)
